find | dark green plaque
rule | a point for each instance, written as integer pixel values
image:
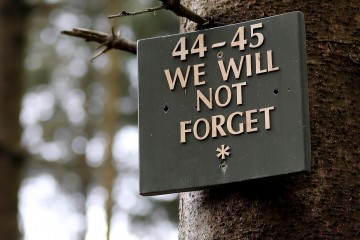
(223, 105)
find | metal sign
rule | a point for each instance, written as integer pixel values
(223, 105)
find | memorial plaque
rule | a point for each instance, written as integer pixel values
(223, 105)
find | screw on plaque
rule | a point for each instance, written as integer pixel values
(220, 54)
(223, 166)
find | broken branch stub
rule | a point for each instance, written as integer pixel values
(112, 41)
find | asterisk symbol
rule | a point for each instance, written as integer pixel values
(223, 152)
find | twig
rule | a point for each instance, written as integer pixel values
(125, 14)
(171, 5)
(115, 41)
(112, 41)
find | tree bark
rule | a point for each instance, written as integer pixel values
(12, 43)
(324, 204)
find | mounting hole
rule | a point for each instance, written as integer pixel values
(220, 54)
(166, 108)
(223, 166)
(276, 91)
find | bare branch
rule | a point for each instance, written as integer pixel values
(88, 35)
(126, 14)
(171, 5)
(112, 41)
(115, 41)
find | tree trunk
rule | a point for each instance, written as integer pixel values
(324, 204)
(12, 43)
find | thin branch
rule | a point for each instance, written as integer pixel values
(171, 5)
(115, 41)
(112, 41)
(88, 35)
(126, 14)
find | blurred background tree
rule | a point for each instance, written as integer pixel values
(79, 125)
(13, 16)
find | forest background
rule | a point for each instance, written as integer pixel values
(79, 133)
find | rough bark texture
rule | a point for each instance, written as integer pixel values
(324, 204)
(12, 43)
